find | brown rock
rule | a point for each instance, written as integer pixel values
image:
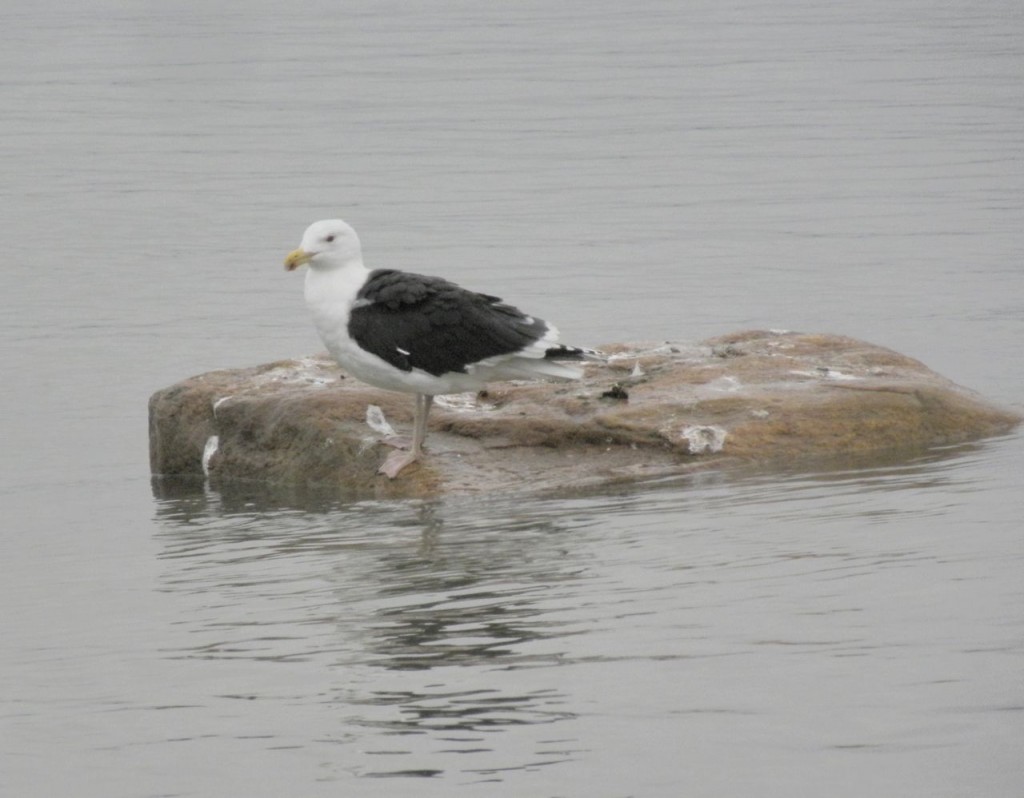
(764, 398)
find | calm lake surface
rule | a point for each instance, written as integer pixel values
(662, 171)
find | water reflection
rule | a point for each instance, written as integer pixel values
(475, 637)
(190, 496)
(418, 612)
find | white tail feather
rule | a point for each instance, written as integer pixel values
(524, 368)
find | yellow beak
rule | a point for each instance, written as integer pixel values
(296, 259)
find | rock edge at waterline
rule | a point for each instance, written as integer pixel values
(773, 399)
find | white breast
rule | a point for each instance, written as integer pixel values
(330, 294)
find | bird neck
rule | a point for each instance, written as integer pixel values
(335, 285)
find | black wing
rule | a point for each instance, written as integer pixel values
(415, 321)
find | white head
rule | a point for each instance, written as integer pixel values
(328, 244)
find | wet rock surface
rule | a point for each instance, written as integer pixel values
(762, 399)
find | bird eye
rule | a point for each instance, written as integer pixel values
(329, 239)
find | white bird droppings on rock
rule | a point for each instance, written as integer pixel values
(461, 401)
(726, 384)
(823, 372)
(704, 440)
(209, 450)
(377, 422)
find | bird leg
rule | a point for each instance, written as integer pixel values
(398, 460)
(423, 405)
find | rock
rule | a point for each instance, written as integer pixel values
(769, 399)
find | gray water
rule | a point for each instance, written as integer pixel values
(666, 170)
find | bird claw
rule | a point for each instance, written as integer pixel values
(397, 441)
(396, 462)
